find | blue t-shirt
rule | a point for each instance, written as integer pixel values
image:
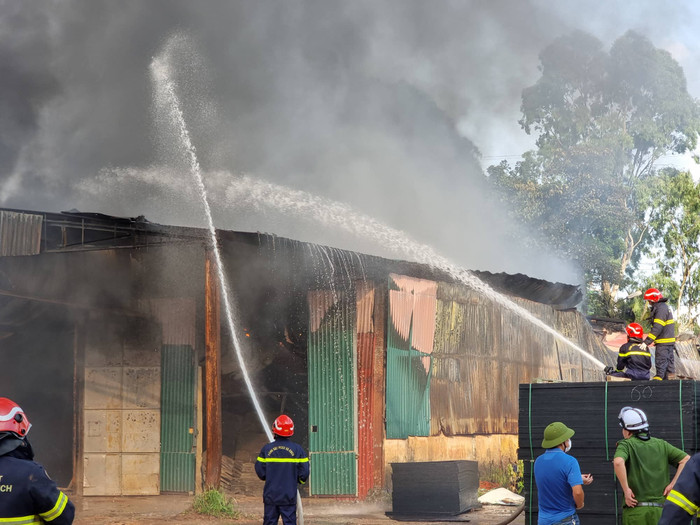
(555, 473)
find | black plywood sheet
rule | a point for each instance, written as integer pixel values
(591, 409)
(434, 488)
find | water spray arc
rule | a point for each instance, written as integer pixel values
(167, 96)
(344, 217)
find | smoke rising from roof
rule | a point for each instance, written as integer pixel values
(383, 105)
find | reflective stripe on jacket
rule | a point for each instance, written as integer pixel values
(635, 360)
(682, 503)
(29, 496)
(663, 328)
(282, 464)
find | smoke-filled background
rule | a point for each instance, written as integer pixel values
(393, 107)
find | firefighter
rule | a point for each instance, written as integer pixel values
(683, 501)
(641, 465)
(282, 464)
(631, 357)
(27, 494)
(663, 334)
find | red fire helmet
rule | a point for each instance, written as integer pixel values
(284, 426)
(635, 330)
(13, 418)
(653, 295)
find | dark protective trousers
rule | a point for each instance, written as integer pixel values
(664, 361)
(273, 512)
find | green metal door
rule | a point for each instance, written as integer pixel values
(177, 420)
(332, 439)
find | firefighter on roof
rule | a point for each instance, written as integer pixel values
(27, 494)
(663, 333)
(633, 362)
(282, 464)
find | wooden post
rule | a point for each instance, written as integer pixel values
(212, 372)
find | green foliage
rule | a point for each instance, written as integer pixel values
(601, 120)
(212, 502)
(510, 476)
(515, 477)
(675, 226)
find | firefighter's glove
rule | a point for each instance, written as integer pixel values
(642, 346)
(608, 370)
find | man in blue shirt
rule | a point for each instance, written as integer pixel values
(559, 479)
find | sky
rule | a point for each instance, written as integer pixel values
(392, 108)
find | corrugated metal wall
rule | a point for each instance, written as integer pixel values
(365, 391)
(331, 372)
(483, 351)
(687, 363)
(20, 233)
(410, 335)
(177, 459)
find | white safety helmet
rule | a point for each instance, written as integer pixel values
(633, 419)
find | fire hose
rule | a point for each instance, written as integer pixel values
(515, 514)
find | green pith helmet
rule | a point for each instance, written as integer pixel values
(555, 434)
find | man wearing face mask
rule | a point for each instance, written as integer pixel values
(641, 466)
(559, 479)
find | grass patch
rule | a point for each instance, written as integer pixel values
(213, 502)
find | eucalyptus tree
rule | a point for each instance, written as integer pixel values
(601, 119)
(675, 228)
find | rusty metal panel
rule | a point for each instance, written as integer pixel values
(140, 474)
(138, 431)
(103, 431)
(332, 402)
(365, 392)
(482, 346)
(20, 233)
(141, 387)
(410, 337)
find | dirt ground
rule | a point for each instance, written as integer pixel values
(142, 510)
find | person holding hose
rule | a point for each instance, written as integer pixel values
(633, 362)
(282, 464)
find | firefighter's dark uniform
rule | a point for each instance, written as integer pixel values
(683, 502)
(281, 464)
(635, 360)
(663, 335)
(27, 494)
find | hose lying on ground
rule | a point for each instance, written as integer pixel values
(515, 514)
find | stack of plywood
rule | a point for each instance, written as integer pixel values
(434, 488)
(591, 410)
